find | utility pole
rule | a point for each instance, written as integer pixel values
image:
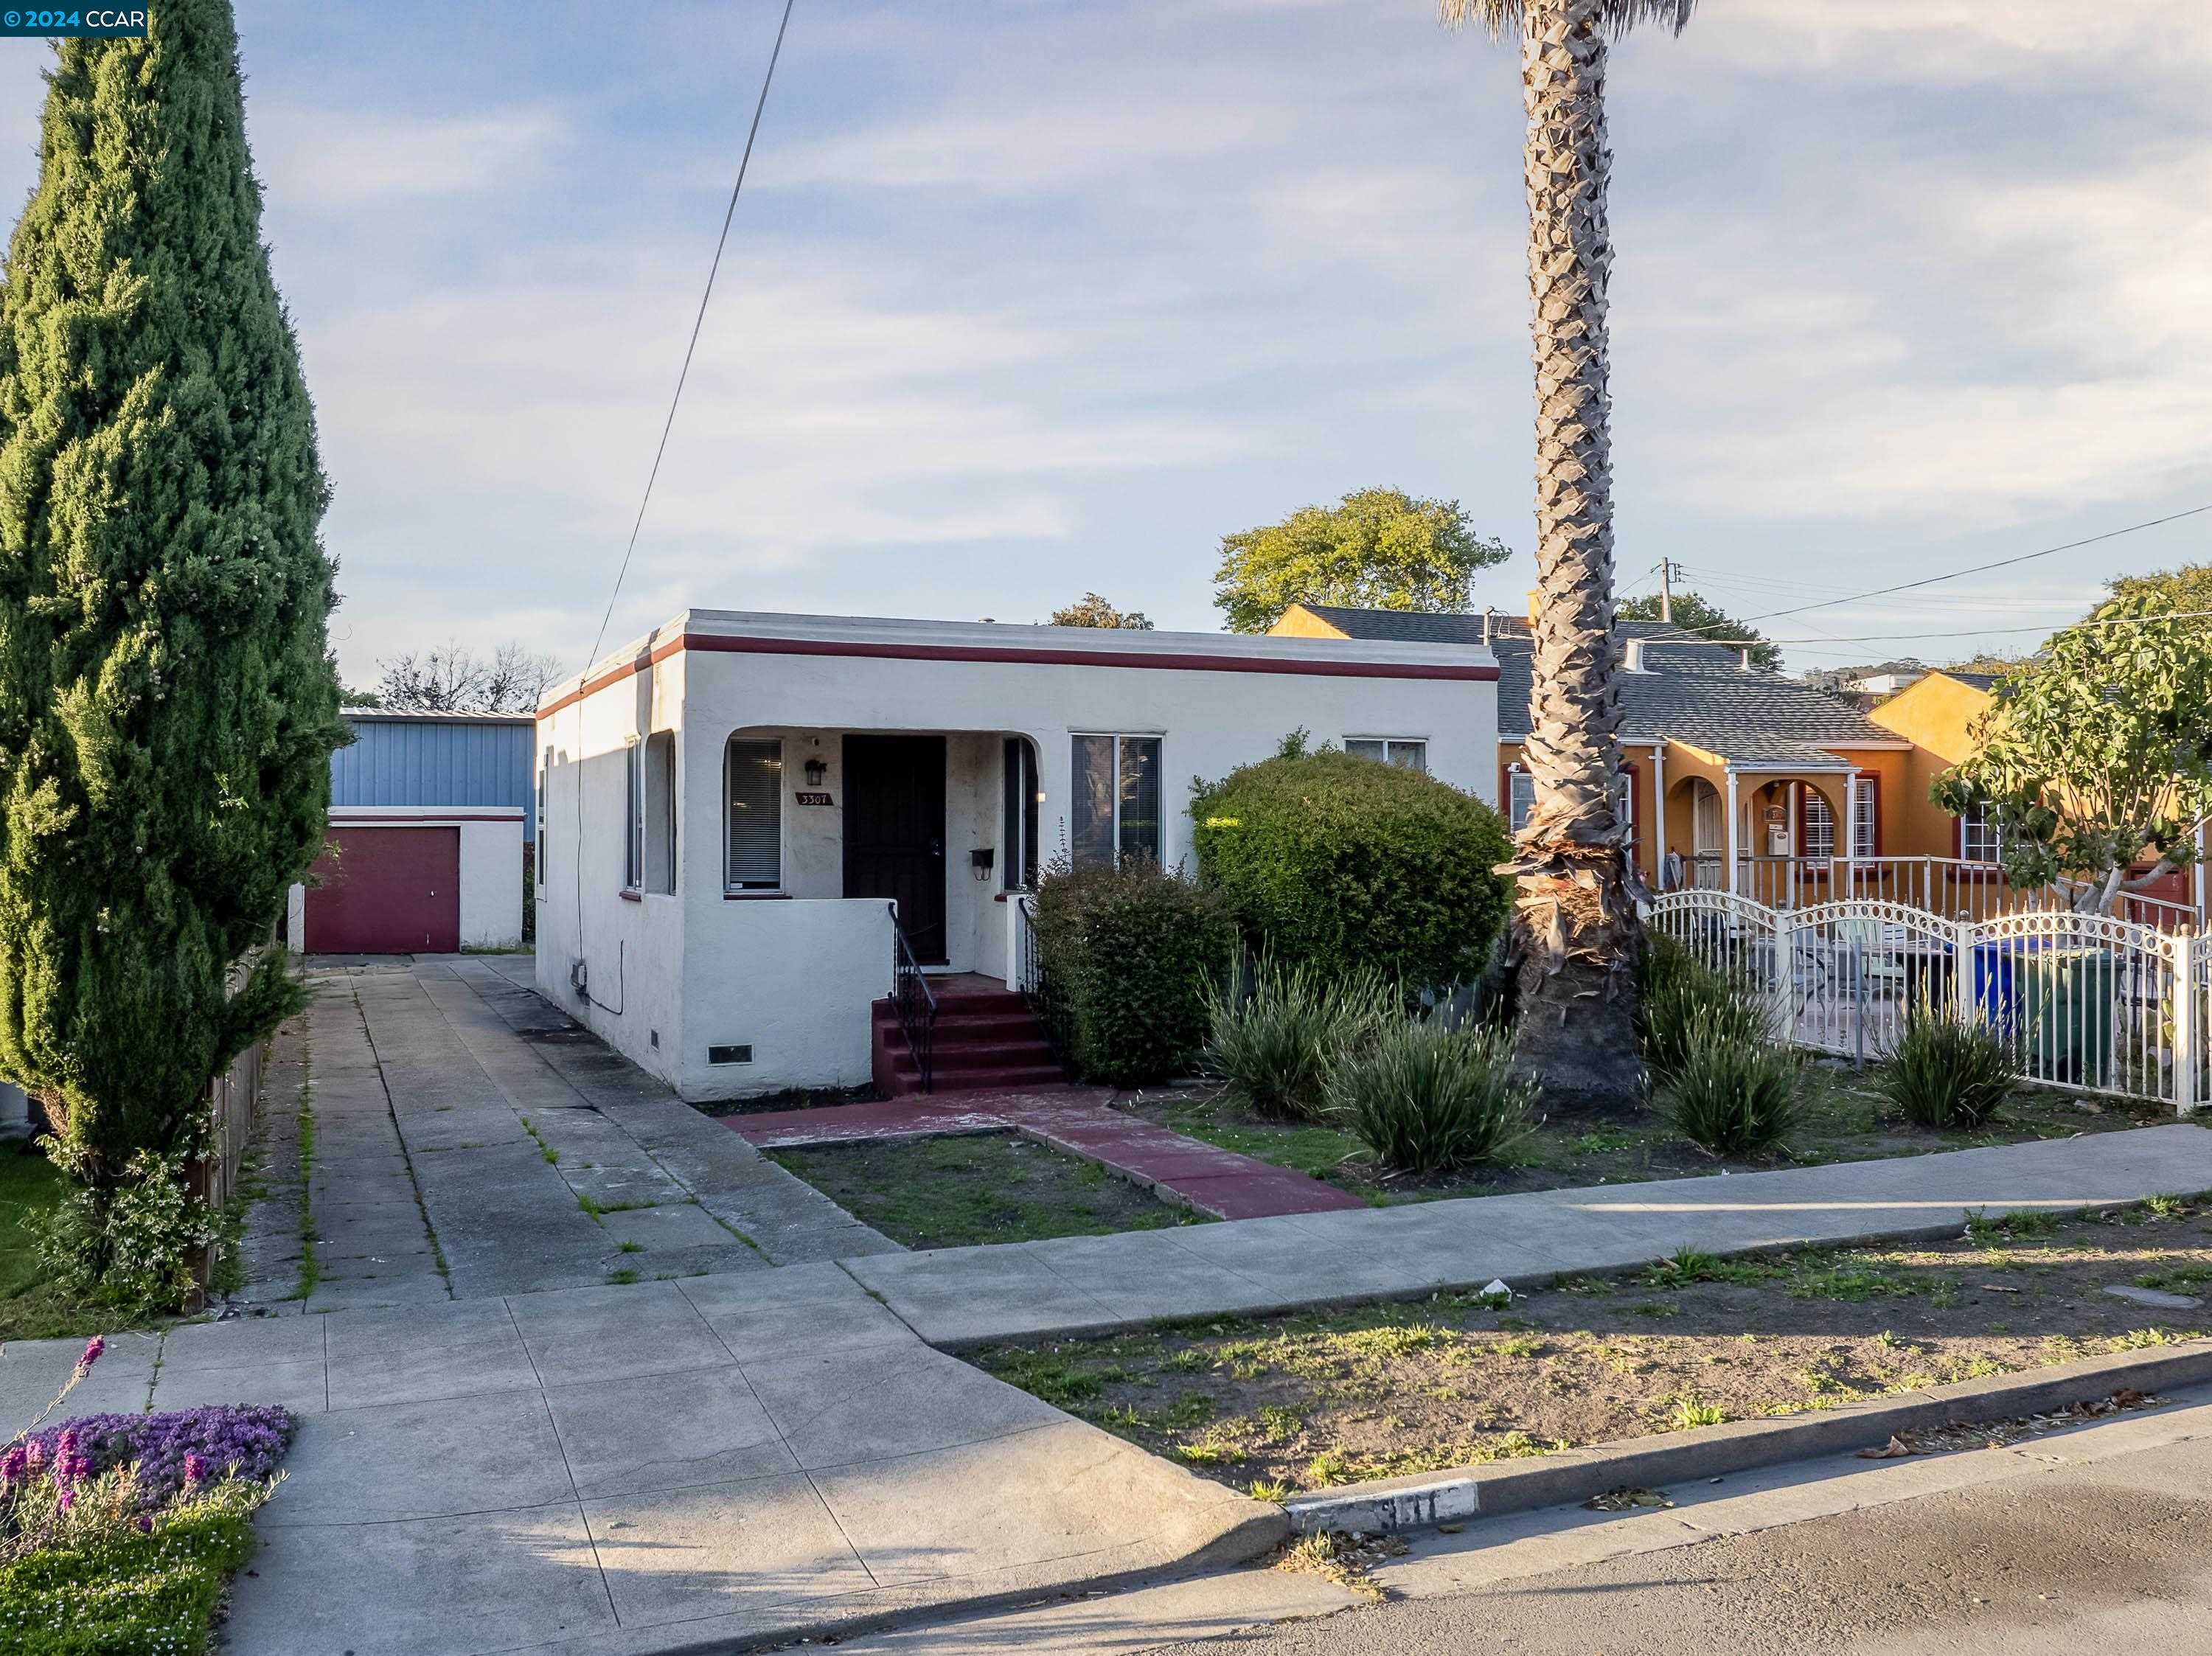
(1667, 570)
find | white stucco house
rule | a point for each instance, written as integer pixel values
(738, 812)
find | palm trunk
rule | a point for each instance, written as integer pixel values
(1576, 934)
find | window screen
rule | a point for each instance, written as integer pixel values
(756, 814)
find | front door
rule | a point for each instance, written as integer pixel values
(894, 831)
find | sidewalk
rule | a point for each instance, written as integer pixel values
(958, 1297)
(646, 1468)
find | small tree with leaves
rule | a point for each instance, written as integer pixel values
(1377, 548)
(167, 703)
(2097, 758)
(1094, 611)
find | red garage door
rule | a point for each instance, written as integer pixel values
(387, 891)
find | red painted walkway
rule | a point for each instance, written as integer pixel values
(1077, 1120)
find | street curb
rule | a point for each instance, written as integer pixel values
(1423, 1500)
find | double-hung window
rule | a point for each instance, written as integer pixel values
(1819, 827)
(634, 816)
(1865, 813)
(1520, 797)
(754, 791)
(1117, 808)
(1410, 752)
(1978, 839)
(1623, 806)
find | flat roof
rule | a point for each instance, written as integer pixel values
(749, 631)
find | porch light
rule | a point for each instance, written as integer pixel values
(817, 771)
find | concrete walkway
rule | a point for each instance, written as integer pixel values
(1076, 1119)
(470, 1140)
(957, 1297)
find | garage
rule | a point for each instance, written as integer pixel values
(387, 891)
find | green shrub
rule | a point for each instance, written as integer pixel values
(131, 1595)
(1676, 994)
(1279, 1044)
(1128, 957)
(1732, 1095)
(1427, 1098)
(1946, 1071)
(1347, 864)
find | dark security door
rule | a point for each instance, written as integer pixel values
(894, 831)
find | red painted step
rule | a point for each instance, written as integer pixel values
(984, 1039)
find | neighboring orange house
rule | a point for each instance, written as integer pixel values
(1938, 715)
(1738, 778)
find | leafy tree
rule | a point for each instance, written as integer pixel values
(1575, 937)
(2097, 756)
(1987, 662)
(450, 678)
(1377, 548)
(1095, 611)
(1708, 621)
(2187, 588)
(167, 702)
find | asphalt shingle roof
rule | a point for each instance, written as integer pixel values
(1690, 691)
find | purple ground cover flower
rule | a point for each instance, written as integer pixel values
(171, 1450)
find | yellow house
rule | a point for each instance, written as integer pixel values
(1742, 778)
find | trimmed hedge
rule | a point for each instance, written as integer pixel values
(1346, 864)
(1129, 957)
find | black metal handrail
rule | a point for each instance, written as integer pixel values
(1033, 982)
(914, 1003)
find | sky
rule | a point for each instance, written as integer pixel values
(1028, 298)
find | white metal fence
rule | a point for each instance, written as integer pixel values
(1949, 886)
(2084, 1001)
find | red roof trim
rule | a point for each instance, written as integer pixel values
(1192, 661)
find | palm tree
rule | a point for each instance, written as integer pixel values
(1576, 937)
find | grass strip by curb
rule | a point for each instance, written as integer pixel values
(1419, 1502)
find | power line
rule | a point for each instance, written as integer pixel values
(697, 322)
(1978, 632)
(1978, 569)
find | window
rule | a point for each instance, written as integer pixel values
(1519, 797)
(660, 812)
(754, 783)
(1623, 804)
(1978, 839)
(1866, 813)
(1819, 827)
(633, 817)
(1117, 799)
(1407, 751)
(1019, 839)
(544, 787)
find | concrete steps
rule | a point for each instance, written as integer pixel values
(985, 1040)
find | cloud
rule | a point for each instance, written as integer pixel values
(337, 161)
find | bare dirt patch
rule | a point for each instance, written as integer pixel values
(1841, 1119)
(1280, 1404)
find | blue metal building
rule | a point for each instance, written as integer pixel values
(437, 759)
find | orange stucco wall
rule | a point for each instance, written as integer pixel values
(1298, 621)
(1938, 715)
(1638, 756)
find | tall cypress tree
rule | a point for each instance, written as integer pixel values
(167, 701)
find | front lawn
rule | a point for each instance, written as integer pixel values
(985, 1187)
(1842, 1121)
(31, 1307)
(1277, 1404)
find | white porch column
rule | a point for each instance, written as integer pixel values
(1732, 829)
(1659, 817)
(1849, 829)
